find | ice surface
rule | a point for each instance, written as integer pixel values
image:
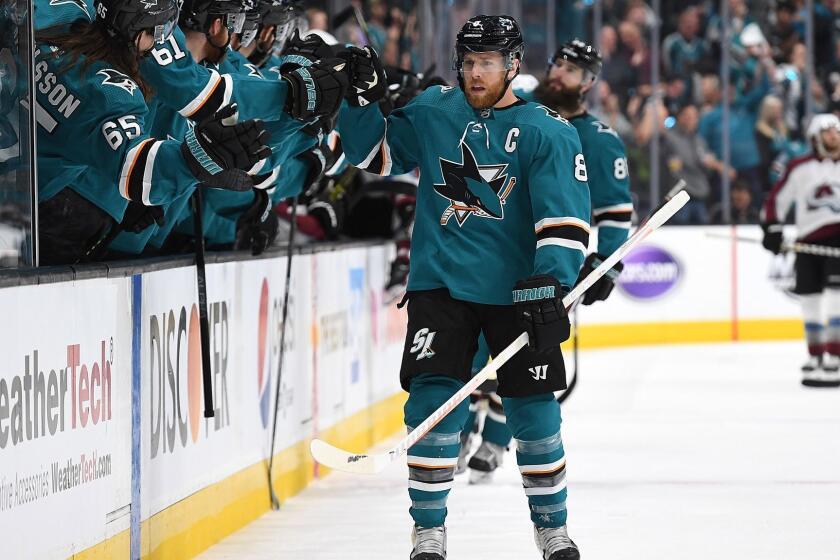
(674, 453)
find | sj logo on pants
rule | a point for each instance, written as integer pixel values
(423, 344)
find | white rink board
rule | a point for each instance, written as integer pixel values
(78, 335)
(714, 282)
(338, 361)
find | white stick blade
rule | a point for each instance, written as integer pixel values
(338, 459)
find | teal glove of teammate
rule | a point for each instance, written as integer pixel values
(219, 155)
(317, 91)
(541, 313)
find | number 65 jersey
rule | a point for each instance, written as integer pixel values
(95, 117)
(503, 193)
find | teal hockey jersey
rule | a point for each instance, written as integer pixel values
(196, 91)
(609, 181)
(222, 209)
(609, 177)
(503, 193)
(97, 119)
(48, 13)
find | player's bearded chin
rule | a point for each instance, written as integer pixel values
(488, 98)
(558, 97)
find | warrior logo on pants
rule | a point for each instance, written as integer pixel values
(539, 372)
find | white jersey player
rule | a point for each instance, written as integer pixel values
(811, 186)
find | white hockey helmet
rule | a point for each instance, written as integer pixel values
(818, 123)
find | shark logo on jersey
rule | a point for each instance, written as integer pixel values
(473, 189)
(117, 79)
(826, 195)
(78, 3)
(604, 129)
(254, 71)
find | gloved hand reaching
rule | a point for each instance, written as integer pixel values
(220, 154)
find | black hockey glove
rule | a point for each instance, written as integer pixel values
(317, 159)
(601, 289)
(256, 229)
(540, 311)
(369, 84)
(139, 216)
(300, 52)
(772, 237)
(316, 91)
(219, 154)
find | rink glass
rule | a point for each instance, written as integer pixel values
(16, 139)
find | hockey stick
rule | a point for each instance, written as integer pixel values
(566, 393)
(201, 284)
(275, 501)
(806, 248)
(339, 459)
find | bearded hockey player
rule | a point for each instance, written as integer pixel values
(811, 185)
(500, 234)
(571, 74)
(99, 123)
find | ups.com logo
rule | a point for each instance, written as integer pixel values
(177, 400)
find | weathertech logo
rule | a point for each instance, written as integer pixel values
(41, 403)
(539, 372)
(423, 344)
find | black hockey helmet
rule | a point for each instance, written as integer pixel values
(198, 15)
(489, 34)
(276, 12)
(580, 54)
(251, 26)
(125, 19)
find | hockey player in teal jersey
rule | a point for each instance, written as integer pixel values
(502, 219)
(244, 220)
(219, 209)
(99, 121)
(571, 74)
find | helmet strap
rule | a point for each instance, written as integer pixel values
(222, 49)
(508, 81)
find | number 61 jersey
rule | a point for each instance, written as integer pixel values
(503, 193)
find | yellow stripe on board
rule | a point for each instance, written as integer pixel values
(192, 525)
(638, 334)
(118, 546)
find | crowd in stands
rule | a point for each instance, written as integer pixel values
(768, 86)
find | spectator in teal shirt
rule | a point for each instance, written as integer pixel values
(743, 149)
